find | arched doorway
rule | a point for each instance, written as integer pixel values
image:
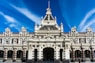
(1, 53)
(19, 54)
(77, 54)
(87, 54)
(10, 54)
(48, 54)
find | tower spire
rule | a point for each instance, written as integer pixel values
(48, 3)
(48, 9)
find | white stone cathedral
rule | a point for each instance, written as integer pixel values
(49, 42)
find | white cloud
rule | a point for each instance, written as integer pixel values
(8, 18)
(12, 25)
(83, 22)
(28, 14)
(88, 24)
(15, 26)
(11, 22)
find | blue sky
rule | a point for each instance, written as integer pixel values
(17, 13)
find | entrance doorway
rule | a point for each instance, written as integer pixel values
(48, 54)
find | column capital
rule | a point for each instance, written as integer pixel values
(14, 55)
(5, 55)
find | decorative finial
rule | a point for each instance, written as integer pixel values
(48, 9)
(48, 3)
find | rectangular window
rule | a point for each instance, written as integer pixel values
(7, 42)
(15, 40)
(82, 40)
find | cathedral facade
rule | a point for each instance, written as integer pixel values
(48, 42)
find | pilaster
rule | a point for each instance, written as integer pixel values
(14, 55)
(73, 55)
(57, 53)
(40, 54)
(82, 55)
(5, 55)
(92, 55)
(24, 55)
(30, 54)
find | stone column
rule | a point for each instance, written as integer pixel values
(14, 55)
(30, 54)
(40, 54)
(66, 56)
(73, 55)
(82, 55)
(5, 55)
(92, 55)
(24, 55)
(57, 53)
(63, 54)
